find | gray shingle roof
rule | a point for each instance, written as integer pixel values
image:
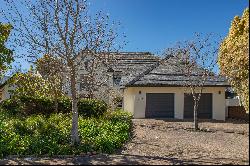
(3, 81)
(132, 64)
(170, 74)
(144, 69)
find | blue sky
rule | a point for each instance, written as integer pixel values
(153, 25)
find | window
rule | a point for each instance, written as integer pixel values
(82, 85)
(117, 78)
(86, 64)
(83, 82)
(86, 83)
(230, 95)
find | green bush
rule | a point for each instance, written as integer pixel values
(92, 107)
(35, 105)
(11, 105)
(64, 105)
(118, 115)
(50, 135)
(29, 105)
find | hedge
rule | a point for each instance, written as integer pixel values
(92, 107)
(28, 105)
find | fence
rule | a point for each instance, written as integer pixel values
(237, 112)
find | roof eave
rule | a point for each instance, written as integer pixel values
(152, 85)
(2, 85)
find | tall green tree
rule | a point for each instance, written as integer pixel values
(6, 55)
(234, 57)
(29, 84)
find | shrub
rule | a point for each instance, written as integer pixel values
(64, 105)
(92, 107)
(11, 105)
(118, 115)
(28, 105)
(36, 105)
(107, 133)
(50, 135)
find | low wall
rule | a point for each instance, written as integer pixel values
(237, 112)
(232, 102)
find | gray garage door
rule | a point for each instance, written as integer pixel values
(204, 108)
(159, 105)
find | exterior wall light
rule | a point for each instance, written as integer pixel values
(219, 92)
(139, 92)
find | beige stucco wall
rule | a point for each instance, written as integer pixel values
(5, 92)
(136, 103)
(128, 100)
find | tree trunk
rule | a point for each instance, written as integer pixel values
(195, 117)
(56, 102)
(74, 131)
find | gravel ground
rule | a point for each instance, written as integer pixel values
(175, 142)
(169, 142)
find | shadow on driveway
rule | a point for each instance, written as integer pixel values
(120, 160)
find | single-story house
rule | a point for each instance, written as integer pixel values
(155, 90)
(159, 93)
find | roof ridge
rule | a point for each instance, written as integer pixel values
(133, 52)
(147, 71)
(142, 74)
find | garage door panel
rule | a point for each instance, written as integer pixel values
(204, 107)
(159, 105)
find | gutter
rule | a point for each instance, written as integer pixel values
(155, 85)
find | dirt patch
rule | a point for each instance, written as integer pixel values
(216, 143)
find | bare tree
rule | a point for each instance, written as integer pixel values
(97, 79)
(66, 30)
(197, 61)
(94, 77)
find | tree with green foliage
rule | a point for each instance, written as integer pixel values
(6, 55)
(234, 57)
(29, 84)
(51, 69)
